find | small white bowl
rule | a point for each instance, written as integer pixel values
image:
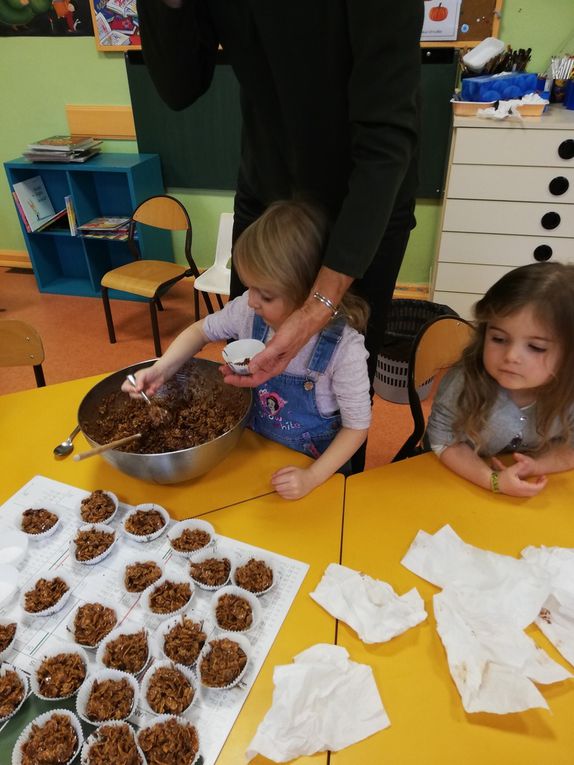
(13, 546)
(237, 355)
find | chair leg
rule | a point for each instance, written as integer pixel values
(39, 375)
(159, 304)
(207, 302)
(108, 313)
(219, 301)
(196, 304)
(155, 328)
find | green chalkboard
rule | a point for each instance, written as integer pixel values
(199, 146)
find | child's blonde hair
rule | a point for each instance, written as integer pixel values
(285, 248)
(548, 289)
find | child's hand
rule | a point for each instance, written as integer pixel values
(528, 464)
(149, 380)
(512, 481)
(293, 483)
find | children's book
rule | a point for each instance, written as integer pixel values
(21, 211)
(62, 143)
(71, 215)
(34, 202)
(105, 223)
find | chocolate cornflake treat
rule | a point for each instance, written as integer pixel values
(223, 664)
(184, 641)
(169, 743)
(138, 576)
(46, 593)
(93, 622)
(190, 540)
(110, 700)
(211, 572)
(37, 521)
(60, 676)
(233, 613)
(127, 652)
(92, 542)
(53, 743)
(169, 691)
(11, 693)
(144, 522)
(97, 508)
(115, 745)
(7, 632)
(255, 576)
(169, 596)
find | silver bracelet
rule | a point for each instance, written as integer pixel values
(326, 302)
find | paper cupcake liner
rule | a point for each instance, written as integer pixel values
(166, 626)
(185, 671)
(55, 651)
(244, 644)
(147, 537)
(7, 667)
(43, 534)
(110, 518)
(163, 718)
(147, 593)
(50, 574)
(267, 559)
(86, 688)
(41, 720)
(219, 552)
(125, 629)
(139, 558)
(231, 589)
(71, 628)
(94, 737)
(191, 523)
(97, 527)
(4, 622)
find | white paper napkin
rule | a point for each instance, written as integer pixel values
(323, 701)
(371, 607)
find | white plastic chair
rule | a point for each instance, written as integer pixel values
(217, 278)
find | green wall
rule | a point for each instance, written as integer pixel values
(41, 75)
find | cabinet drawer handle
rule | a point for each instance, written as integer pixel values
(542, 252)
(566, 149)
(558, 185)
(550, 220)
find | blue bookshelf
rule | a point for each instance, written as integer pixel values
(107, 184)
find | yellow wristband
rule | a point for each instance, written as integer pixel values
(494, 484)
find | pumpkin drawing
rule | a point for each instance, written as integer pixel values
(438, 12)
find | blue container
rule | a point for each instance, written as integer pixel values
(498, 87)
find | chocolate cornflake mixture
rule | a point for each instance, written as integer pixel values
(169, 596)
(37, 521)
(200, 406)
(169, 743)
(223, 664)
(93, 622)
(53, 743)
(233, 613)
(46, 593)
(115, 745)
(190, 540)
(144, 522)
(211, 572)
(60, 676)
(11, 693)
(169, 691)
(255, 576)
(184, 641)
(110, 700)
(92, 542)
(138, 576)
(127, 652)
(7, 632)
(97, 508)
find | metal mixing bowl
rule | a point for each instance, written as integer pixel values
(177, 466)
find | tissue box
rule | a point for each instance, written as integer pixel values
(498, 87)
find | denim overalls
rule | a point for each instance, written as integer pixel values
(285, 408)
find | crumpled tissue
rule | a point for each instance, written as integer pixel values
(323, 701)
(371, 607)
(510, 108)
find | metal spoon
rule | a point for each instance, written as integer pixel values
(131, 379)
(63, 449)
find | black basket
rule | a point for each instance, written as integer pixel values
(404, 320)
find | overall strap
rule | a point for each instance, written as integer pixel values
(260, 328)
(326, 345)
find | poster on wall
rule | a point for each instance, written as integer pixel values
(45, 18)
(441, 19)
(116, 25)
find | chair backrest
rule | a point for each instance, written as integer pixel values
(437, 346)
(224, 240)
(21, 345)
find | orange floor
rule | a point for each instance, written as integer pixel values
(76, 344)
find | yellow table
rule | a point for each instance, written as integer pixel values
(384, 509)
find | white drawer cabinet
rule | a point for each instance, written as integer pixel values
(509, 201)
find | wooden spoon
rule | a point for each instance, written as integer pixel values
(106, 447)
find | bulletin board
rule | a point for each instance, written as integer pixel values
(478, 19)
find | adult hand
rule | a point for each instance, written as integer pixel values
(293, 483)
(511, 481)
(149, 380)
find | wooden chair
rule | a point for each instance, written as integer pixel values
(217, 278)
(21, 345)
(151, 279)
(437, 346)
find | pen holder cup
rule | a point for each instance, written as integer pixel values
(558, 93)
